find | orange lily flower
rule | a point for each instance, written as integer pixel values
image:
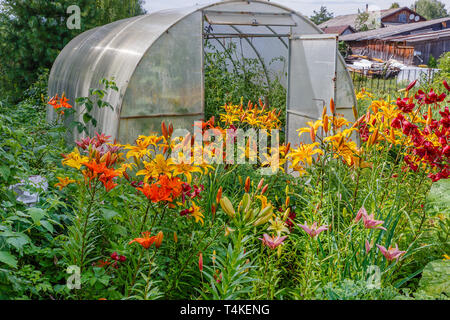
(146, 241)
(63, 182)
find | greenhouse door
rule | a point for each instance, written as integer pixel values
(311, 81)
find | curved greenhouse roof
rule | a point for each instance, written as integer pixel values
(157, 62)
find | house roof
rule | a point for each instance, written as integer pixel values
(419, 37)
(338, 29)
(350, 19)
(386, 32)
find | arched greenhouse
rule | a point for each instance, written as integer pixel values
(157, 61)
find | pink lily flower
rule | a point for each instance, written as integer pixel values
(368, 246)
(371, 223)
(361, 212)
(313, 230)
(369, 220)
(272, 242)
(391, 253)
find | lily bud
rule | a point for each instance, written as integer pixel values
(219, 195)
(264, 189)
(287, 201)
(213, 210)
(446, 85)
(355, 112)
(175, 237)
(260, 184)
(247, 184)
(200, 262)
(246, 202)
(226, 205)
(288, 146)
(286, 214)
(325, 124)
(324, 112)
(429, 115)
(164, 130)
(373, 137)
(170, 129)
(411, 85)
(159, 239)
(312, 134)
(368, 116)
(264, 216)
(332, 106)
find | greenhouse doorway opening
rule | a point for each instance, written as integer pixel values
(248, 56)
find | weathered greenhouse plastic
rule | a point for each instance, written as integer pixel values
(157, 61)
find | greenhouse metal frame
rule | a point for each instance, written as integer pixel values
(157, 62)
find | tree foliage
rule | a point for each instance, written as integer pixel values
(322, 15)
(32, 33)
(361, 21)
(431, 9)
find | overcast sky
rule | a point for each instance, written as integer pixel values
(305, 7)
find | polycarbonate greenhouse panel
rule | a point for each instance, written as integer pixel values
(312, 77)
(249, 18)
(297, 121)
(247, 6)
(345, 93)
(113, 50)
(168, 79)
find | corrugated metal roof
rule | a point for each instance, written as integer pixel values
(392, 30)
(418, 37)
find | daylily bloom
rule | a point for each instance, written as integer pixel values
(304, 153)
(314, 230)
(369, 221)
(186, 169)
(197, 213)
(278, 226)
(63, 182)
(146, 241)
(391, 253)
(165, 189)
(272, 242)
(405, 105)
(74, 159)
